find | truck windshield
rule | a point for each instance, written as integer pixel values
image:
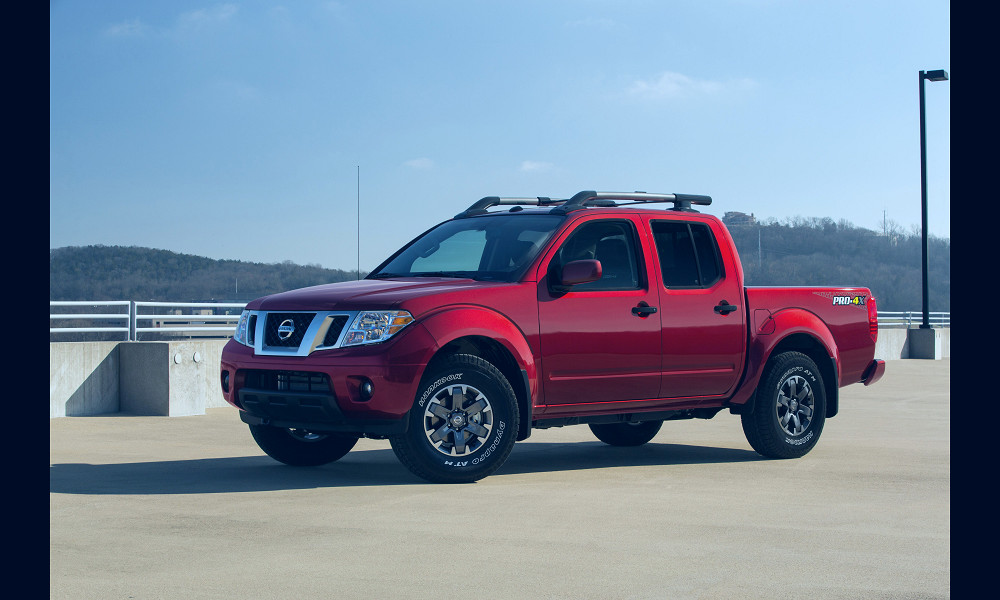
(488, 248)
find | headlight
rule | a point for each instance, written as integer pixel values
(374, 326)
(242, 329)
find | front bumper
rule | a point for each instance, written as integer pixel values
(381, 427)
(324, 390)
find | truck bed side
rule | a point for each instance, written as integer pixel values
(837, 317)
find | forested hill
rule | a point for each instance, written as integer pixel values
(817, 252)
(821, 252)
(145, 274)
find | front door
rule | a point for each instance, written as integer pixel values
(600, 341)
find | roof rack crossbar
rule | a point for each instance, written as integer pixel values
(581, 200)
(591, 198)
(489, 201)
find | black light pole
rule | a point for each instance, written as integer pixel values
(939, 75)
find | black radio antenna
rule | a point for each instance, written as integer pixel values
(359, 223)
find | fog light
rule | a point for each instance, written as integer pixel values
(225, 381)
(366, 390)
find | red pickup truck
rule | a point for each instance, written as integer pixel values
(554, 312)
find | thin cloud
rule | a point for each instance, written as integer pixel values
(532, 166)
(420, 163)
(669, 85)
(195, 19)
(133, 28)
(208, 16)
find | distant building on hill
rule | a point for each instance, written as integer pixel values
(736, 219)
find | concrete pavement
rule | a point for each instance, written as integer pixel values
(189, 507)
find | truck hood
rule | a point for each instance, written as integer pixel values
(372, 294)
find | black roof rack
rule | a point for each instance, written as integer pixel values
(585, 199)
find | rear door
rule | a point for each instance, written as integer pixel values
(595, 347)
(702, 310)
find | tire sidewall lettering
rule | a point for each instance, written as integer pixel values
(434, 387)
(493, 446)
(799, 370)
(802, 440)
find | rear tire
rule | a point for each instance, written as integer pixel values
(302, 448)
(626, 434)
(789, 410)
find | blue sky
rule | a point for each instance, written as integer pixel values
(238, 130)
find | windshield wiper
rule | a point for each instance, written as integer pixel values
(452, 274)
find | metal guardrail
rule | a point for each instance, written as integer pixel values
(106, 321)
(219, 319)
(912, 318)
(133, 319)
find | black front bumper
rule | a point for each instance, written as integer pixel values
(314, 411)
(303, 400)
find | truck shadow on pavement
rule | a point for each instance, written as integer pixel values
(359, 468)
(542, 457)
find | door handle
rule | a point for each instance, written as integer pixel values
(643, 310)
(724, 308)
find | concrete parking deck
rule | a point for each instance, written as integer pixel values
(189, 507)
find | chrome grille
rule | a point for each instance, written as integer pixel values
(333, 333)
(277, 321)
(309, 331)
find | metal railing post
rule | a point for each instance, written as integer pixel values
(131, 321)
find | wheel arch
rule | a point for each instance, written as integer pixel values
(796, 330)
(494, 338)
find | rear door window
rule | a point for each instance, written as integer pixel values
(688, 253)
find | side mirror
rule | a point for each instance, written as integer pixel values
(580, 271)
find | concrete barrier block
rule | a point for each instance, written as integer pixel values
(171, 379)
(891, 344)
(925, 343)
(83, 378)
(211, 352)
(187, 378)
(145, 379)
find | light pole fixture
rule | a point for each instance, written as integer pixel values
(938, 75)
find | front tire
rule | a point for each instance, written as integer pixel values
(789, 410)
(463, 423)
(626, 434)
(302, 448)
